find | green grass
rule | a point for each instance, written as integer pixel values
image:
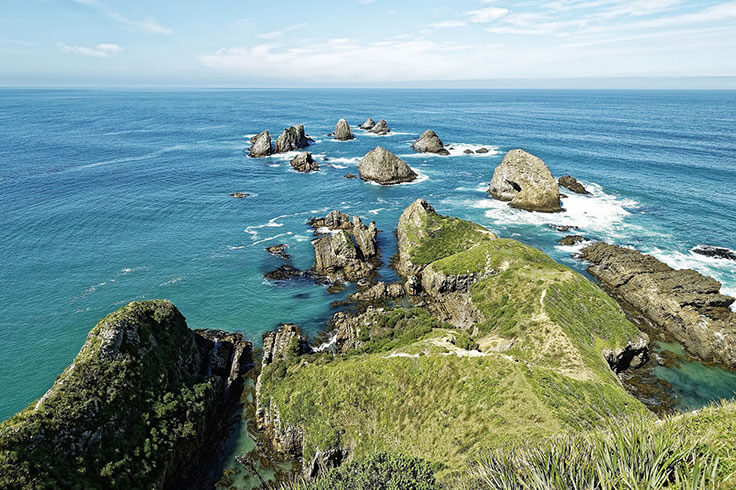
(441, 236)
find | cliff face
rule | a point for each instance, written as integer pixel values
(142, 402)
(684, 303)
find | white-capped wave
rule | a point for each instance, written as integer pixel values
(272, 238)
(421, 177)
(171, 281)
(458, 150)
(348, 160)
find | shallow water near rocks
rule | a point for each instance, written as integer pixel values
(110, 196)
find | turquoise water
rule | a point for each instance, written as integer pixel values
(109, 196)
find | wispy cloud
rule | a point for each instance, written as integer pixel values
(487, 14)
(447, 24)
(278, 33)
(103, 50)
(18, 42)
(148, 24)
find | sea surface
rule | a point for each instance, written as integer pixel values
(110, 196)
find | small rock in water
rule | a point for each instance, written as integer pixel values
(572, 183)
(563, 228)
(482, 150)
(571, 240)
(283, 273)
(351, 176)
(368, 124)
(304, 162)
(279, 250)
(239, 195)
(717, 252)
(381, 127)
(468, 152)
(429, 142)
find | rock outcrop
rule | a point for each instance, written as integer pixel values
(279, 250)
(291, 139)
(342, 131)
(385, 168)
(570, 240)
(303, 162)
(368, 124)
(381, 127)
(429, 142)
(378, 292)
(260, 145)
(349, 249)
(239, 195)
(716, 252)
(525, 181)
(685, 304)
(570, 182)
(140, 368)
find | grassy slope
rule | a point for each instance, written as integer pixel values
(444, 404)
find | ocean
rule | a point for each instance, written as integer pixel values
(110, 196)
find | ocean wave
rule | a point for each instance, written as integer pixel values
(171, 281)
(348, 160)
(458, 150)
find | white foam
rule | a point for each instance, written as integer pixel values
(348, 160)
(326, 345)
(271, 238)
(336, 166)
(458, 150)
(323, 230)
(172, 281)
(721, 270)
(366, 132)
(376, 211)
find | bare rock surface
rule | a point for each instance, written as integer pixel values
(385, 168)
(526, 182)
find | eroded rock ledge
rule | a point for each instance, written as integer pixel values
(684, 303)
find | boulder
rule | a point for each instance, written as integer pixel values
(351, 176)
(304, 162)
(342, 131)
(368, 124)
(685, 304)
(572, 183)
(429, 142)
(260, 145)
(279, 250)
(283, 273)
(525, 181)
(385, 168)
(571, 240)
(291, 139)
(482, 150)
(381, 127)
(468, 152)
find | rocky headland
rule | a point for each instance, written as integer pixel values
(684, 304)
(145, 401)
(526, 182)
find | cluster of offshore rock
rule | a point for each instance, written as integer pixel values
(292, 138)
(684, 304)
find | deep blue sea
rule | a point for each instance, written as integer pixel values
(110, 196)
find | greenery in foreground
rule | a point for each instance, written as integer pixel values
(116, 421)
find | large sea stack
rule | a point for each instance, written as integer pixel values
(526, 182)
(383, 167)
(260, 145)
(291, 139)
(342, 131)
(429, 142)
(381, 127)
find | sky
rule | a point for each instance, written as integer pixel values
(369, 43)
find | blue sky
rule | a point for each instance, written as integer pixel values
(363, 42)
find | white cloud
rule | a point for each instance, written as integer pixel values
(447, 24)
(103, 50)
(487, 14)
(278, 33)
(148, 24)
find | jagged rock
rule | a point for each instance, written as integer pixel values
(351, 176)
(429, 142)
(283, 272)
(286, 341)
(368, 124)
(279, 250)
(260, 145)
(571, 240)
(335, 220)
(412, 285)
(525, 180)
(381, 127)
(378, 292)
(304, 162)
(634, 355)
(239, 195)
(133, 361)
(409, 233)
(563, 228)
(385, 168)
(342, 131)
(684, 303)
(350, 252)
(717, 252)
(291, 139)
(482, 150)
(572, 183)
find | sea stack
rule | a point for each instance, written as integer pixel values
(260, 145)
(382, 166)
(368, 124)
(304, 162)
(291, 139)
(342, 131)
(526, 182)
(381, 127)
(429, 142)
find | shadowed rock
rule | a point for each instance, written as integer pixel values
(304, 162)
(383, 167)
(572, 183)
(260, 145)
(571, 240)
(291, 139)
(525, 181)
(381, 127)
(342, 131)
(368, 124)
(429, 142)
